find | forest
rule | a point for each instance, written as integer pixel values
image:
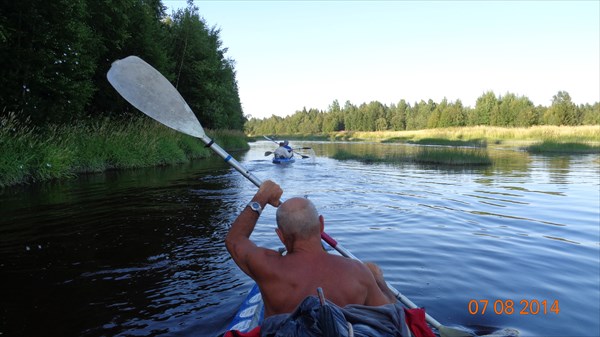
(55, 56)
(509, 110)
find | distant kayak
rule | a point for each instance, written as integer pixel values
(283, 160)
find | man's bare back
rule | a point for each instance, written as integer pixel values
(286, 280)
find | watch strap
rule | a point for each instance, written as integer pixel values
(255, 206)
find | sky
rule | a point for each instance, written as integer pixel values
(295, 54)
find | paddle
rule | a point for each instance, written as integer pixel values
(303, 148)
(151, 93)
(268, 153)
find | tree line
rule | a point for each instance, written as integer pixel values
(509, 110)
(55, 56)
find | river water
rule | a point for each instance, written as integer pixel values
(140, 252)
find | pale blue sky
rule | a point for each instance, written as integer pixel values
(295, 54)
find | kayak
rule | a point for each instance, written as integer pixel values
(250, 315)
(283, 160)
(251, 312)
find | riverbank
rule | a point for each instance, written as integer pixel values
(32, 154)
(582, 139)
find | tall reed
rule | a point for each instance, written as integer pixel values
(491, 134)
(478, 136)
(425, 155)
(566, 147)
(455, 157)
(31, 153)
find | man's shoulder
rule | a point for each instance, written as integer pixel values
(345, 260)
(267, 252)
(356, 267)
(265, 262)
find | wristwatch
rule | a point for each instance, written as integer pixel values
(255, 206)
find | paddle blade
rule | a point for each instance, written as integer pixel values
(268, 153)
(151, 93)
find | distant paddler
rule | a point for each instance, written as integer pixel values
(284, 151)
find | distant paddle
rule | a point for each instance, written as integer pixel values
(151, 93)
(293, 150)
(268, 153)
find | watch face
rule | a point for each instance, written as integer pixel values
(255, 206)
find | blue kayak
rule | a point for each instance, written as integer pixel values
(251, 312)
(283, 160)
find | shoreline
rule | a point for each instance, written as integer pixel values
(33, 154)
(556, 138)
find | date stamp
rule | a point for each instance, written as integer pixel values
(510, 307)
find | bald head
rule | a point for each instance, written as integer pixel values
(297, 218)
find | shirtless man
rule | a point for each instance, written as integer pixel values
(284, 281)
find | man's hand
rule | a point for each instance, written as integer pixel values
(378, 275)
(269, 193)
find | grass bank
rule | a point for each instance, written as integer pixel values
(487, 134)
(479, 136)
(31, 154)
(565, 147)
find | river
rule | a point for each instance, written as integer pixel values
(140, 252)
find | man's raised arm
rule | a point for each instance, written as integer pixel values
(237, 241)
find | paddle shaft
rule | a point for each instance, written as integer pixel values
(230, 160)
(301, 155)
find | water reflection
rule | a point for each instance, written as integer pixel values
(122, 251)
